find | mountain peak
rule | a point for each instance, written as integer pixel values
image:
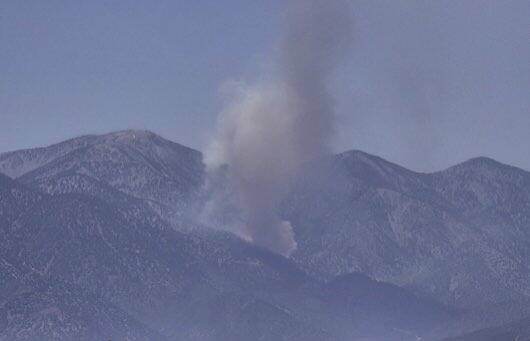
(143, 145)
(370, 159)
(132, 134)
(481, 164)
(481, 161)
(129, 136)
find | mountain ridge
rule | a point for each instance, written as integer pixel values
(457, 237)
(130, 135)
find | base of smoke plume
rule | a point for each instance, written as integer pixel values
(278, 237)
(222, 209)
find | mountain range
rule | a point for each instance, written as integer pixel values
(100, 241)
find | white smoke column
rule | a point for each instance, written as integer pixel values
(271, 129)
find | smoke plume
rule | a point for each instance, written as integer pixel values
(271, 128)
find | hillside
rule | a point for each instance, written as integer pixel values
(383, 252)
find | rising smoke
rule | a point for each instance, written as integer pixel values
(270, 129)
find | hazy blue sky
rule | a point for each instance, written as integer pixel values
(427, 84)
